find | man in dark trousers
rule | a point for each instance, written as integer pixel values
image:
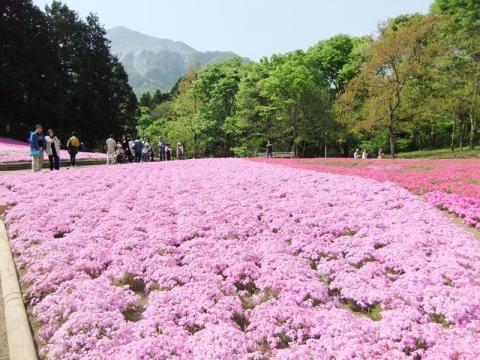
(161, 150)
(269, 149)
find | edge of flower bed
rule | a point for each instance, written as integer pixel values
(24, 165)
(19, 335)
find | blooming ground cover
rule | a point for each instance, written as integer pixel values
(231, 259)
(16, 151)
(453, 185)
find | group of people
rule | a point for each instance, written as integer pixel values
(368, 154)
(128, 151)
(50, 144)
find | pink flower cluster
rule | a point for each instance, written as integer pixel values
(17, 151)
(231, 259)
(453, 185)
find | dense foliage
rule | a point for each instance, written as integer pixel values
(56, 69)
(413, 86)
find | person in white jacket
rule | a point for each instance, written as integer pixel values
(111, 147)
(53, 149)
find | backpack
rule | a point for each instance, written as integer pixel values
(74, 142)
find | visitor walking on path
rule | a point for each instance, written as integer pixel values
(269, 149)
(138, 146)
(180, 151)
(111, 146)
(73, 144)
(37, 147)
(161, 150)
(53, 149)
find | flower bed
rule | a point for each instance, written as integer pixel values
(231, 259)
(453, 185)
(12, 151)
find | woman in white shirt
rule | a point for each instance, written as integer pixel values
(53, 149)
(364, 154)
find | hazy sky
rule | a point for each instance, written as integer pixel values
(251, 28)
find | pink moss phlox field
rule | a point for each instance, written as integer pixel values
(453, 185)
(232, 259)
(12, 151)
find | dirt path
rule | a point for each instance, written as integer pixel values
(3, 333)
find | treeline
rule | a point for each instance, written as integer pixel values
(413, 86)
(56, 69)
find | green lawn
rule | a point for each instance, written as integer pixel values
(441, 154)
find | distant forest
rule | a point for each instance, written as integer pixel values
(57, 70)
(415, 85)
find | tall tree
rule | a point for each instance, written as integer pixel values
(377, 97)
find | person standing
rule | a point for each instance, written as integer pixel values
(161, 150)
(147, 150)
(37, 147)
(53, 149)
(356, 154)
(269, 149)
(180, 151)
(381, 154)
(73, 144)
(137, 147)
(168, 152)
(364, 155)
(126, 148)
(111, 146)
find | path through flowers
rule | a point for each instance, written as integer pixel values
(231, 259)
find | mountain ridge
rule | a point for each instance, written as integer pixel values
(155, 63)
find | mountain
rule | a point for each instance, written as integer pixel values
(153, 63)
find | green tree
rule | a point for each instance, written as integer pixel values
(378, 97)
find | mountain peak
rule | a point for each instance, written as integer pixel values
(153, 63)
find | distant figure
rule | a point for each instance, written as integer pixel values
(381, 154)
(111, 147)
(356, 154)
(120, 157)
(126, 148)
(53, 150)
(168, 152)
(147, 151)
(269, 149)
(73, 144)
(161, 150)
(365, 154)
(37, 147)
(180, 151)
(137, 147)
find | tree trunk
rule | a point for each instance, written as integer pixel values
(472, 115)
(452, 146)
(462, 134)
(392, 142)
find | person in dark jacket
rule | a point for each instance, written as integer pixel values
(269, 149)
(126, 148)
(138, 146)
(161, 150)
